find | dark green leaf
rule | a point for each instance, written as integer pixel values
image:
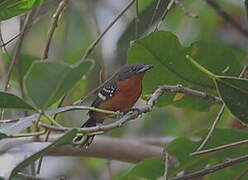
(152, 168)
(47, 82)
(10, 8)
(164, 50)
(234, 92)
(2, 136)
(31, 154)
(8, 100)
(182, 147)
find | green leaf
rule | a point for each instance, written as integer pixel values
(2, 135)
(10, 8)
(151, 168)
(8, 100)
(46, 82)
(32, 153)
(165, 52)
(181, 148)
(234, 93)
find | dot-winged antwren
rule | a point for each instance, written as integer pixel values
(118, 94)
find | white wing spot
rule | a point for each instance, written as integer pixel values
(101, 96)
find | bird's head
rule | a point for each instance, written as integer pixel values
(130, 70)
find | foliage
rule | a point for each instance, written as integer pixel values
(203, 54)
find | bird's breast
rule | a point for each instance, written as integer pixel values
(127, 94)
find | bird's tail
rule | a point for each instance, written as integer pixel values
(82, 140)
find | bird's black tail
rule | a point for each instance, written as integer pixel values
(88, 139)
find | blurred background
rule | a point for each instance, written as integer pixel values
(80, 24)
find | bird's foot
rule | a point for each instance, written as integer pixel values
(138, 111)
(118, 115)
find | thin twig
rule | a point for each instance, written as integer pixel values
(220, 148)
(170, 5)
(54, 23)
(16, 54)
(218, 117)
(155, 10)
(211, 131)
(245, 172)
(227, 17)
(212, 169)
(93, 44)
(136, 19)
(2, 42)
(246, 8)
(166, 164)
(18, 48)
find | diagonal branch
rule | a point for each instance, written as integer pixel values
(54, 23)
(212, 169)
(134, 114)
(219, 148)
(227, 17)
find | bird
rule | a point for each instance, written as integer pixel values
(118, 94)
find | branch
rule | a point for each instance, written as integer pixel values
(134, 114)
(212, 169)
(187, 91)
(219, 115)
(54, 23)
(211, 131)
(93, 45)
(168, 8)
(121, 149)
(219, 148)
(246, 8)
(227, 17)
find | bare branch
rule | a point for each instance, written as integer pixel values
(245, 172)
(186, 91)
(54, 23)
(121, 149)
(219, 148)
(170, 5)
(227, 17)
(212, 169)
(211, 131)
(93, 45)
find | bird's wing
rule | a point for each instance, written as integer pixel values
(105, 93)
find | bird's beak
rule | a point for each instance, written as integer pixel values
(145, 68)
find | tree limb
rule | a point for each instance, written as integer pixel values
(212, 169)
(121, 149)
(227, 17)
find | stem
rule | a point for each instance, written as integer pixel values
(201, 68)
(28, 134)
(51, 120)
(211, 131)
(220, 148)
(93, 44)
